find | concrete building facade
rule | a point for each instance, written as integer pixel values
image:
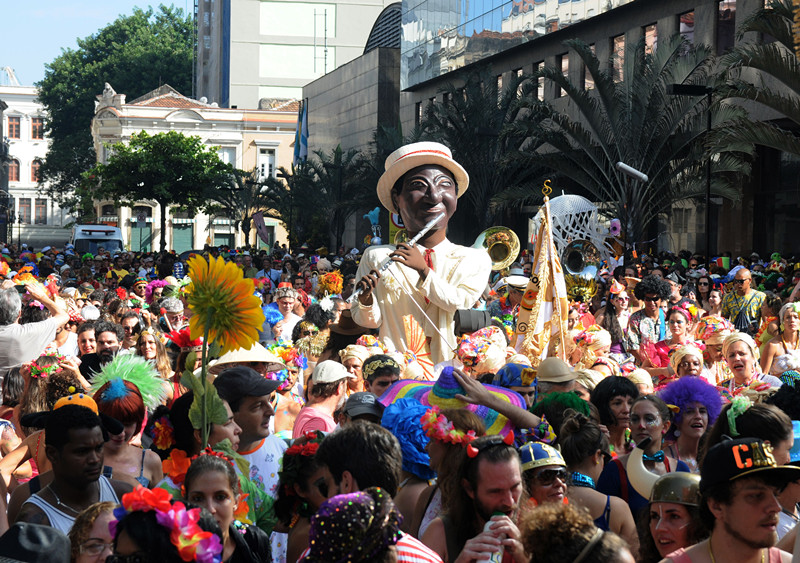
(347, 105)
(247, 139)
(253, 49)
(32, 216)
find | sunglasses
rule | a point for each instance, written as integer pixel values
(623, 298)
(310, 332)
(548, 476)
(652, 299)
(701, 284)
(741, 282)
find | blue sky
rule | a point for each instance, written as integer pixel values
(35, 31)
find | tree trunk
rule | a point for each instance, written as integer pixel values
(163, 226)
(246, 231)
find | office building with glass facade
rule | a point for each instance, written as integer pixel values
(441, 37)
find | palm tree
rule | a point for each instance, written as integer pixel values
(338, 187)
(777, 87)
(243, 196)
(473, 121)
(634, 121)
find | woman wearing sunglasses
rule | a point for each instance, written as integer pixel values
(584, 447)
(544, 472)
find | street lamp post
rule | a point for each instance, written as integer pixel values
(700, 90)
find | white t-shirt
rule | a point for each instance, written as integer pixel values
(266, 461)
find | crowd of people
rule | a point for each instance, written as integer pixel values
(383, 414)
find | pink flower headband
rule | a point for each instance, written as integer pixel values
(439, 427)
(192, 542)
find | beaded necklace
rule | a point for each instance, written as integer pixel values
(581, 480)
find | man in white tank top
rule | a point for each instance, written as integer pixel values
(74, 438)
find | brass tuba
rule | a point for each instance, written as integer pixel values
(501, 243)
(581, 261)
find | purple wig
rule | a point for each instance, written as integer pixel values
(688, 390)
(148, 291)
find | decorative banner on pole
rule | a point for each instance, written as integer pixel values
(261, 228)
(542, 322)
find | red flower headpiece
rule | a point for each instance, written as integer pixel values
(183, 339)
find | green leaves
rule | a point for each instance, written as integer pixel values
(135, 54)
(170, 168)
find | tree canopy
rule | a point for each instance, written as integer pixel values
(136, 54)
(169, 168)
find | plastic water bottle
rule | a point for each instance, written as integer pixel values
(497, 556)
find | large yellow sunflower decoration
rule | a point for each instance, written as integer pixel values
(223, 303)
(226, 313)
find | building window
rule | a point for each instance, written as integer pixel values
(650, 33)
(266, 164)
(40, 218)
(686, 26)
(37, 128)
(13, 170)
(726, 26)
(25, 210)
(588, 81)
(227, 155)
(418, 113)
(13, 127)
(563, 63)
(618, 57)
(35, 173)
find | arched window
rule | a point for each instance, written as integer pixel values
(35, 166)
(13, 170)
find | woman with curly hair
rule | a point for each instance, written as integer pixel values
(699, 405)
(90, 538)
(555, 533)
(647, 325)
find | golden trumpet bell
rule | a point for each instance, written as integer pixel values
(501, 243)
(581, 260)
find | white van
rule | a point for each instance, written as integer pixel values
(88, 238)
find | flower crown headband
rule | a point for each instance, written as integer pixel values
(294, 456)
(439, 427)
(44, 372)
(191, 541)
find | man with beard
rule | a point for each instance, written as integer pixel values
(108, 337)
(327, 394)
(489, 488)
(74, 438)
(739, 482)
